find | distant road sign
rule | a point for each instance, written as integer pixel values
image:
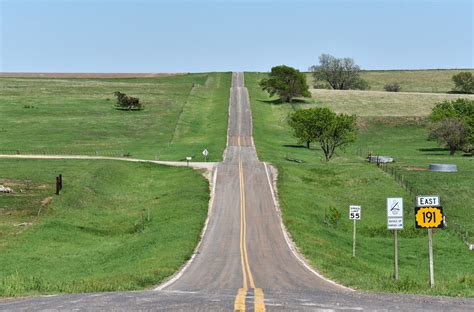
(395, 213)
(427, 201)
(354, 212)
(205, 152)
(429, 217)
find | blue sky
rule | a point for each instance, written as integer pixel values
(196, 36)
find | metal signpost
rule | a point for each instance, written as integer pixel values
(354, 214)
(429, 215)
(205, 152)
(395, 223)
(188, 159)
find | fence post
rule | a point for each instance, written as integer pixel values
(57, 186)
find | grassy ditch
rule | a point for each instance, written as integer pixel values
(115, 226)
(315, 195)
(183, 115)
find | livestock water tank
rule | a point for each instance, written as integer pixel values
(380, 159)
(443, 168)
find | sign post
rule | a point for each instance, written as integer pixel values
(395, 223)
(205, 152)
(429, 215)
(188, 159)
(430, 251)
(354, 214)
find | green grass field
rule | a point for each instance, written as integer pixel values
(436, 81)
(431, 81)
(413, 153)
(380, 103)
(183, 115)
(114, 226)
(308, 191)
(420, 91)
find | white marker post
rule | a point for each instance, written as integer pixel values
(354, 214)
(188, 159)
(395, 223)
(205, 152)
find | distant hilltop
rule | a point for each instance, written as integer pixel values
(87, 75)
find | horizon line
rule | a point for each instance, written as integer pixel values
(157, 74)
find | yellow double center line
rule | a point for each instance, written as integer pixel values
(239, 304)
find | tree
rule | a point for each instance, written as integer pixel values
(462, 108)
(457, 111)
(303, 122)
(339, 73)
(127, 102)
(287, 82)
(452, 132)
(463, 82)
(331, 130)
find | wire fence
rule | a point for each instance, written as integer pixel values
(410, 187)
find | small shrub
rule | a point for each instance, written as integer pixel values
(360, 84)
(127, 102)
(392, 87)
(407, 284)
(468, 148)
(321, 85)
(333, 217)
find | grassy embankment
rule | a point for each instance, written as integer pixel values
(309, 190)
(183, 115)
(96, 236)
(115, 226)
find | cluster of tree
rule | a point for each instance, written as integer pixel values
(324, 126)
(338, 73)
(287, 82)
(452, 122)
(463, 82)
(453, 125)
(127, 102)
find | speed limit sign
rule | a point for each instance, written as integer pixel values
(354, 212)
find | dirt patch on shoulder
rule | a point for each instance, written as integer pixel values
(45, 202)
(415, 169)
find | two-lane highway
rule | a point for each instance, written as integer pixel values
(244, 249)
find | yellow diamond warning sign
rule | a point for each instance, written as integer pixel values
(429, 217)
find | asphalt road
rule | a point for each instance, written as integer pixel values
(244, 261)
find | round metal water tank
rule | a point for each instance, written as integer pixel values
(443, 168)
